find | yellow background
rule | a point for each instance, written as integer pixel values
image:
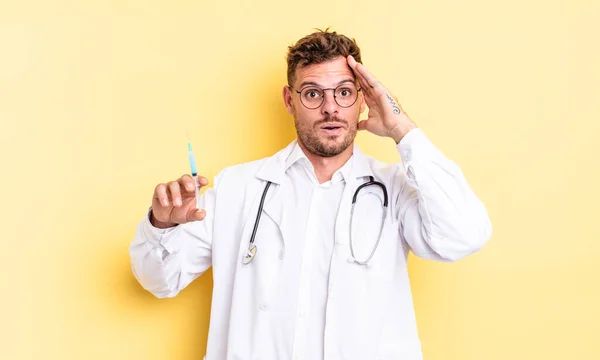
(96, 96)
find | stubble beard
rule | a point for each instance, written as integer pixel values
(325, 146)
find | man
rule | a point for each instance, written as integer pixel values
(304, 266)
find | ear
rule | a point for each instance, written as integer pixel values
(362, 101)
(287, 100)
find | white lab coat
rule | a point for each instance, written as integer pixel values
(432, 211)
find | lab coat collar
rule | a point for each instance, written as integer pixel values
(361, 166)
(274, 168)
(299, 156)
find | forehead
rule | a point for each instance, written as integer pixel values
(326, 74)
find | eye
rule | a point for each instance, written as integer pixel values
(312, 94)
(345, 92)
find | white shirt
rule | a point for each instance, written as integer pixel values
(302, 296)
(300, 310)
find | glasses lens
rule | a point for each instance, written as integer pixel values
(311, 97)
(346, 94)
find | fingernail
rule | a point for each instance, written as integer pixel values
(177, 202)
(165, 202)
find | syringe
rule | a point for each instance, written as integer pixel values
(194, 172)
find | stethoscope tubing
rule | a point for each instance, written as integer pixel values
(249, 255)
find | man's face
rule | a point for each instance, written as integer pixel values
(329, 129)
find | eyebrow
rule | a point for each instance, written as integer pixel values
(305, 83)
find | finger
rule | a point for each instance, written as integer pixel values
(195, 215)
(364, 85)
(160, 192)
(361, 79)
(367, 88)
(351, 60)
(362, 125)
(187, 182)
(369, 78)
(361, 71)
(203, 181)
(175, 191)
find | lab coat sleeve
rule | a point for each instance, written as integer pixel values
(165, 261)
(440, 217)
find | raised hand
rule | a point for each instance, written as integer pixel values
(386, 117)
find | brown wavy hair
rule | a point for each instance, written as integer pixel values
(318, 47)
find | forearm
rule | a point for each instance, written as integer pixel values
(442, 218)
(156, 262)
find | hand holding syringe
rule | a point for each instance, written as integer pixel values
(175, 202)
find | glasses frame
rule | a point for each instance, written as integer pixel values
(323, 98)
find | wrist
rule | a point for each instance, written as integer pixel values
(159, 224)
(400, 130)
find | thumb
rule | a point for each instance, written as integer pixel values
(196, 214)
(362, 125)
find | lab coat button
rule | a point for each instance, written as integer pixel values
(264, 306)
(408, 155)
(281, 254)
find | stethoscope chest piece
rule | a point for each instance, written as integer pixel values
(249, 254)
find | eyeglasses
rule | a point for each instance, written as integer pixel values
(312, 97)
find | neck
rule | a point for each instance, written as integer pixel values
(326, 166)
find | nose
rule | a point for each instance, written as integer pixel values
(329, 107)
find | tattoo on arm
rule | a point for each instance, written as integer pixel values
(394, 105)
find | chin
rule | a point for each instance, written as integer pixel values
(326, 145)
(332, 146)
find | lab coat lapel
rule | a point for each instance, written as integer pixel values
(274, 208)
(273, 170)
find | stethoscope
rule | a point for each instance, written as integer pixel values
(249, 255)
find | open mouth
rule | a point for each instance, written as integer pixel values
(332, 130)
(333, 125)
